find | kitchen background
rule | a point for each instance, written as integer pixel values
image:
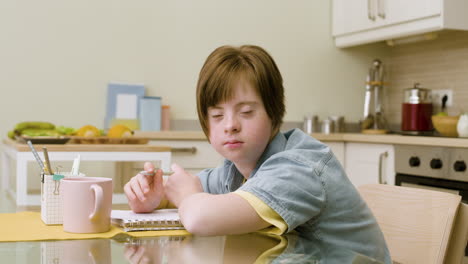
(57, 57)
(436, 64)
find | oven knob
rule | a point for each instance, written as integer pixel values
(436, 164)
(414, 161)
(459, 165)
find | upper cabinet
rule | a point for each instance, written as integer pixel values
(358, 22)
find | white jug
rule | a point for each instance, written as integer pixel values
(462, 125)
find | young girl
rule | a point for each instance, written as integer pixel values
(280, 181)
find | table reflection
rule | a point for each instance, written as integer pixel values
(76, 251)
(247, 248)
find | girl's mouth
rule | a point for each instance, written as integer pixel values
(233, 144)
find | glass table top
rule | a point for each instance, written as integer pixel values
(238, 249)
(248, 248)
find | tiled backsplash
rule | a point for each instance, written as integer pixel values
(437, 64)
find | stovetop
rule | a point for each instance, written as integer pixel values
(431, 133)
(436, 162)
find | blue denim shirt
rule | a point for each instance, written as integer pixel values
(301, 179)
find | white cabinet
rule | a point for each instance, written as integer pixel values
(192, 155)
(358, 22)
(370, 163)
(353, 15)
(338, 148)
(399, 11)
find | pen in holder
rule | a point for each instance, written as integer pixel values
(52, 197)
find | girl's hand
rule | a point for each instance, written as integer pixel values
(145, 192)
(181, 184)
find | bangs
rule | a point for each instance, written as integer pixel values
(225, 80)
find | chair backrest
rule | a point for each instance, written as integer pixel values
(416, 223)
(458, 239)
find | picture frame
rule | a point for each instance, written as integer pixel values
(123, 101)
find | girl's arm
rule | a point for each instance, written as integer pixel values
(210, 214)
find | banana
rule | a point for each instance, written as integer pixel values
(34, 132)
(11, 134)
(36, 125)
(65, 130)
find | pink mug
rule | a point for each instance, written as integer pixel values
(87, 204)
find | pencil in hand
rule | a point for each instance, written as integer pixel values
(147, 173)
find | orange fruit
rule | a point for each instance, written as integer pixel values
(119, 131)
(88, 131)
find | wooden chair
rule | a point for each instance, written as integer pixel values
(458, 239)
(417, 224)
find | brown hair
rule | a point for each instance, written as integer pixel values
(225, 66)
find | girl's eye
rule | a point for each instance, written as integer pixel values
(216, 116)
(247, 112)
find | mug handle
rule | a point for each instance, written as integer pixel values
(98, 201)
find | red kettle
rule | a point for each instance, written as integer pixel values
(417, 110)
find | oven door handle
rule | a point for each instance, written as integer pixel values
(382, 156)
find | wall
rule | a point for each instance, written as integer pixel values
(57, 57)
(437, 64)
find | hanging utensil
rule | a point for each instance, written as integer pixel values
(377, 83)
(374, 120)
(368, 120)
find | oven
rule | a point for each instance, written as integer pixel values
(435, 168)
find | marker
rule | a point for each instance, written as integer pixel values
(76, 166)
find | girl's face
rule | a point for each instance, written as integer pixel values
(240, 128)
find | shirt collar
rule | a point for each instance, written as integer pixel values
(234, 178)
(276, 145)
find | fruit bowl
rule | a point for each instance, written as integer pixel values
(445, 125)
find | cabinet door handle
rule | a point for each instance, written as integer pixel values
(191, 150)
(382, 156)
(370, 10)
(381, 8)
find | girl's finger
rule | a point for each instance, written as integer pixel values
(129, 192)
(145, 182)
(137, 189)
(149, 167)
(158, 180)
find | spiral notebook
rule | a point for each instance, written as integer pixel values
(162, 219)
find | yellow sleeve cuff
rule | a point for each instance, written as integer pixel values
(273, 252)
(278, 227)
(165, 204)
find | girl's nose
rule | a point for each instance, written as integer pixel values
(232, 125)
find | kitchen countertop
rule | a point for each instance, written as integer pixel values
(334, 137)
(21, 147)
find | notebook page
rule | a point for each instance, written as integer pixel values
(157, 215)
